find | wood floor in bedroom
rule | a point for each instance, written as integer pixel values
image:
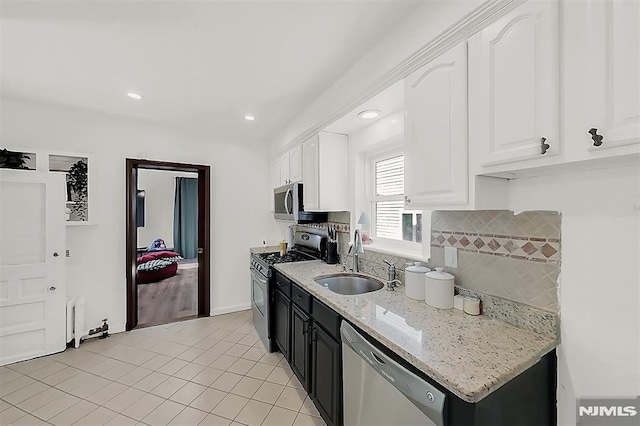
(169, 300)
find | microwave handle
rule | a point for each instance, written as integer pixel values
(286, 201)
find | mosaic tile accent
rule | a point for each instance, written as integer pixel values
(535, 249)
(341, 227)
(511, 256)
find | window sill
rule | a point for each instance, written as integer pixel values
(400, 250)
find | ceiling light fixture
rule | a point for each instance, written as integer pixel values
(135, 96)
(249, 117)
(369, 114)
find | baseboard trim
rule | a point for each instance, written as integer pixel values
(230, 309)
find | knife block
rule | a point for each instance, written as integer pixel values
(332, 253)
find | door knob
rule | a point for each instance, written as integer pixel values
(55, 254)
(52, 288)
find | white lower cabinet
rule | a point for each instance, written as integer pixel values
(324, 170)
(514, 89)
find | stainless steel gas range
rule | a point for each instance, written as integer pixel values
(307, 246)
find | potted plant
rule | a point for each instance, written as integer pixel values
(79, 183)
(13, 159)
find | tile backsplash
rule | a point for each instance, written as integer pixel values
(339, 220)
(512, 256)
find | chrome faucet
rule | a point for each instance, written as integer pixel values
(357, 249)
(392, 282)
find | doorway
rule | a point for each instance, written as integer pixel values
(197, 260)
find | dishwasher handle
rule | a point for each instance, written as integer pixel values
(426, 397)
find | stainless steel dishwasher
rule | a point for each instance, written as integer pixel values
(379, 391)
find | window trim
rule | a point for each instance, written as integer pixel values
(386, 244)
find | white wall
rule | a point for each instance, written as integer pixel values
(599, 284)
(159, 187)
(96, 269)
(426, 22)
(382, 134)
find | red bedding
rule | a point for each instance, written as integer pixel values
(146, 277)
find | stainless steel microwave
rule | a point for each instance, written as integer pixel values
(288, 205)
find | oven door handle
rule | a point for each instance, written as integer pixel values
(257, 277)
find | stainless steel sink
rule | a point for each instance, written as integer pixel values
(350, 283)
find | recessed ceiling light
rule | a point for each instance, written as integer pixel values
(369, 114)
(249, 117)
(135, 96)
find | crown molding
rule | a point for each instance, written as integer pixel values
(466, 26)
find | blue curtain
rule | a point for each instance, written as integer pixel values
(185, 217)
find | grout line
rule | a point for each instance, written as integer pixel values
(83, 398)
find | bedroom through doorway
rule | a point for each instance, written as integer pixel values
(167, 246)
(167, 242)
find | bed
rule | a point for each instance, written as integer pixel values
(156, 266)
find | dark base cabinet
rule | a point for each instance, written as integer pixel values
(307, 332)
(300, 346)
(326, 375)
(282, 323)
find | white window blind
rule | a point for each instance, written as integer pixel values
(392, 221)
(389, 175)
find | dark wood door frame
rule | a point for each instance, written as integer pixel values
(204, 231)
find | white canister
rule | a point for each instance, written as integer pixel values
(414, 280)
(438, 289)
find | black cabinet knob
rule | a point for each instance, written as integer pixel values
(544, 146)
(595, 137)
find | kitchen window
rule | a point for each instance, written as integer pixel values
(390, 219)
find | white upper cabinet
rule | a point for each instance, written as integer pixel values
(274, 182)
(602, 78)
(436, 148)
(325, 172)
(291, 166)
(295, 164)
(513, 88)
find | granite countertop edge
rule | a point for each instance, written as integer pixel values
(457, 385)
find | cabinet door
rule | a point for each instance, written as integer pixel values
(282, 321)
(295, 164)
(310, 172)
(300, 345)
(602, 77)
(436, 149)
(513, 86)
(284, 169)
(326, 376)
(275, 181)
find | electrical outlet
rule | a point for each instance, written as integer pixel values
(67, 253)
(451, 257)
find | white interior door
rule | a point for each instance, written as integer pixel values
(33, 290)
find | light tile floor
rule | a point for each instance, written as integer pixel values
(207, 371)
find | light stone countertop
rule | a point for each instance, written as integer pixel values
(470, 355)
